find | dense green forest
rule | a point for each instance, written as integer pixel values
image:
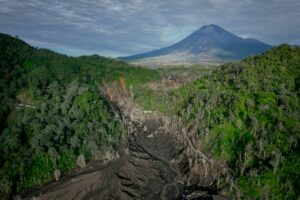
(52, 111)
(246, 114)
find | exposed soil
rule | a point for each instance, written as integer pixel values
(150, 165)
(153, 163)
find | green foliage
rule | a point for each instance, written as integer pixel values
(66, 161)
(160, 99)
(258, 131)
(52, 110)
(247, 114)
(38, 171)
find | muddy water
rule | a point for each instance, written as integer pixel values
(145, 169)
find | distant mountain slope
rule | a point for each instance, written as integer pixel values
(211, 43)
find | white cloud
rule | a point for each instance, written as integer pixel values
(245, 35)
(134, 26)
(171, 34)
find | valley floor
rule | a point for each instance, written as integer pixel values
(151, 164)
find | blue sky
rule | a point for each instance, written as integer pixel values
(125, 27)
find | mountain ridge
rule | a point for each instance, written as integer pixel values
(208, 41)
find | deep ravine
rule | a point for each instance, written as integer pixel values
(149, 165)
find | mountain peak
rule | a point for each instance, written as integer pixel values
(210, 41)
(211, 27)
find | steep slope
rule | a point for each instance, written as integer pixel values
(247, 115)
(209, 41)
(52, 112)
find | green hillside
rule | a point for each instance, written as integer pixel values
(247, 114)
(52, 111)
